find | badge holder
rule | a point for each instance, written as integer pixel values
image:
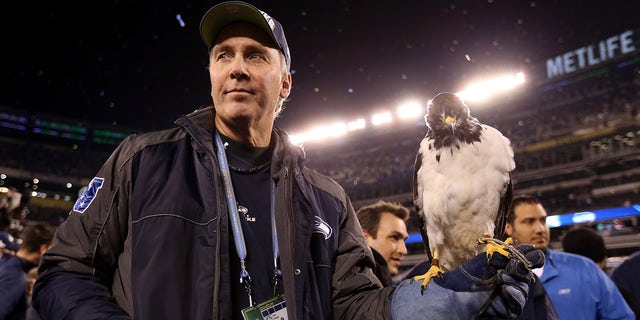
(272, 309)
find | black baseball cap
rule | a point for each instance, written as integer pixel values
(223, 14)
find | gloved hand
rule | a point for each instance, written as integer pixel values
(478, 289)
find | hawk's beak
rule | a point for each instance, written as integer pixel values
(450, 122)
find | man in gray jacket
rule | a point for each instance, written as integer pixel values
(219, 218)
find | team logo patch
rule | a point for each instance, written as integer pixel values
(321, 227)
(85, 199)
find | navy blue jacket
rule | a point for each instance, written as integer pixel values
(149, 239)
(13, 288)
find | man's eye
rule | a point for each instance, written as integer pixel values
(255, 55)
(222, 55)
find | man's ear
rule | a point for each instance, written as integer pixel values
(44, 248)
(508, 229)
(367, 236)
(285, 90)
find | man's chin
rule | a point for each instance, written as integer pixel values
(541, 245)
(393, 270)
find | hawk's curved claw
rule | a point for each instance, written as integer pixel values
(495, 245)
(508, 250)
(434, 271)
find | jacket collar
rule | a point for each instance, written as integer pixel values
(200, 126)
(550, 270)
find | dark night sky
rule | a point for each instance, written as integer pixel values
(130, 63)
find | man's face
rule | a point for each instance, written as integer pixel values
(389, 241)
(530, 225)
(247, 78)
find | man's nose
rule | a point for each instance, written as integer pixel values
(239, 68)
(402, 248)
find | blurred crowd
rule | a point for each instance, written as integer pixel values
(63, 160)
(22, 245)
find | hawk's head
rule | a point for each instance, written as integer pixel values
(449, 121)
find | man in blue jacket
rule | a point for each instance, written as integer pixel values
(219, 218)
(13, 287)
(578, 288)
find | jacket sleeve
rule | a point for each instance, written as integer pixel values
(357, 293)
(13, 286)
(610, 304)
(76, 273)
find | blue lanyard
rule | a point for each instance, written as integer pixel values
(238, 235)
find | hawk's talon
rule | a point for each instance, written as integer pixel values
(501, 248)
(495, 245)
(434, 271)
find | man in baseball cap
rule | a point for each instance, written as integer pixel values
(220, 218)
(223, 14)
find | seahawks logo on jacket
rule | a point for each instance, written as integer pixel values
(321, 227)
(85, 199)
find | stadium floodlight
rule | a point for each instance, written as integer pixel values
(295, 139)
(410, 110)
(482, 90)
(337, 129)
(320, 133)
(356, 125)
(381, 118)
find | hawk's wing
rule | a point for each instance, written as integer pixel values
(420, 215)
(505, 205)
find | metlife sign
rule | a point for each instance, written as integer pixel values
(605, 50)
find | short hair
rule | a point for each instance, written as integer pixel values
(585, 242)
(285, 72)
(518, 200)
(35, 235)
(369, 216)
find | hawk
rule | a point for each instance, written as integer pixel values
(462, 185)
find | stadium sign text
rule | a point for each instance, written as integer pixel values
(590, 55)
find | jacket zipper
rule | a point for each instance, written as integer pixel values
(216, 282)
(291, 245)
